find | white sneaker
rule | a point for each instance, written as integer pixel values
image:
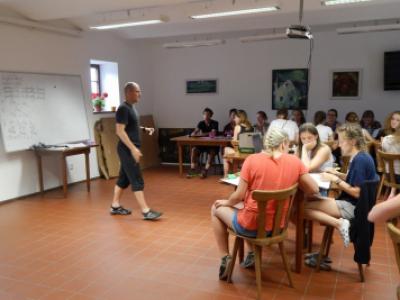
(344, 231)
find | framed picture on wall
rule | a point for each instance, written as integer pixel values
(290, 89)
(202, 86)
(346, 84)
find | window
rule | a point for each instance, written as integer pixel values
(104, 85)
(95, 79)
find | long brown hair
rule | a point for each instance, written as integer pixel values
(396, 135)
(310, 128)
(243, 118)
(387, 128)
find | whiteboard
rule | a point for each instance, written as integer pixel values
(41, 108)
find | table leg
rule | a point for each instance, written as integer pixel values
(64, 174)
(180, 154)
(299, 231)
(87, 171)
(235, 166)
(310, 236)
(40, 172)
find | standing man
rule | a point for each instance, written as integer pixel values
(127, 129)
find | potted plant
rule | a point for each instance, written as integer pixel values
(99, 101)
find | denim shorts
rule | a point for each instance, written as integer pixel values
(346, 209)
(243, 231)
(323, 192)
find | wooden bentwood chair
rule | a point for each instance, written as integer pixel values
(278, 235)
(388, 178)
(394, 232)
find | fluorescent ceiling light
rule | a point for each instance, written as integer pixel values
(267, 37)
(39, 26)
(338, 2)
(127, 24)
(372, 28)
(236, 12)
(190, 44)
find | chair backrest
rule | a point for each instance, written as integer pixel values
(247, 142)
(394, 233)
(379, 166)
(388, 172)
(280, 197)
(370, 146)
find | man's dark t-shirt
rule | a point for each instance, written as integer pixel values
(213, 125)
(128, 115)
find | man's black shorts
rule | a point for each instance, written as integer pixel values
(130, 172)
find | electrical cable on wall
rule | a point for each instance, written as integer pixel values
(301, 31)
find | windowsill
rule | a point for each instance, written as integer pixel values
(103, 112)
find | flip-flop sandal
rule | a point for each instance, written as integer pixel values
(327, 259)
(312, 263)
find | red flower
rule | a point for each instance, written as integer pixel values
(94, 95)
(105, 95)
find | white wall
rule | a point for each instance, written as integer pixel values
(33, 51)
(244, 72)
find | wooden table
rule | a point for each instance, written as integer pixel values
(198, 141)
(236, 158)
(64, 153)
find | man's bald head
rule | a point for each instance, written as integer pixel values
(132, 92)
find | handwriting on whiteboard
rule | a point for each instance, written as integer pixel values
(17, 102)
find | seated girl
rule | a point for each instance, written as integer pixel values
(352, 118)
(392, 123)
(337, 213)
(272, 169)
(369, 123)
(317, 157)
(242, 125)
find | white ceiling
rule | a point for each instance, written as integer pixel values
(84, 13)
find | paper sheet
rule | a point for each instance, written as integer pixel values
(322, 184)
(316, 176)
(234, 181)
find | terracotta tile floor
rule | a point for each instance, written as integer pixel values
(54, 248)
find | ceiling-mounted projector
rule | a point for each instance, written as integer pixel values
(299, 32)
